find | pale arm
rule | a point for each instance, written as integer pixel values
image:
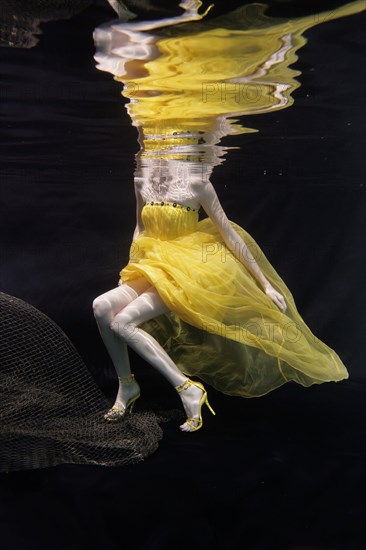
(139, 205)
(207, 197)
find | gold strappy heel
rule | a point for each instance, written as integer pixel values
(117, 412)
(195, 423)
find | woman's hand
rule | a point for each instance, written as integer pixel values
(277, 298)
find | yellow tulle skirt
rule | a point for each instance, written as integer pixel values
(221, 326)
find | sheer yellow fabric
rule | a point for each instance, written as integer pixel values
(222, 327)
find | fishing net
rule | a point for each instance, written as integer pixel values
(51, 409)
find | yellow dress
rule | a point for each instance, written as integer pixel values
(222, 327)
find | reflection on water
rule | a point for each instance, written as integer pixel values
(188, 83)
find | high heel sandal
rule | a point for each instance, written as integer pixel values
(116, 412)
(195, 423)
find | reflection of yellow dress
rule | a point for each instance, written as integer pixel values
(222, 326)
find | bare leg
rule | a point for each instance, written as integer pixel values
(125, 325)
(106, 306)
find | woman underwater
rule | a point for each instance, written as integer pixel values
(222, 312)
(199, 297)
(121, 310)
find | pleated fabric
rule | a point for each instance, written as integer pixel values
(222, 328)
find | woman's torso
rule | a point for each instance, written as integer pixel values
(170, 208)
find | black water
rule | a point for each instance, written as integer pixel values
(282, 472)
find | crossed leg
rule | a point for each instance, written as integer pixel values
(119, 313)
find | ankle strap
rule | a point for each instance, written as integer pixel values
(126, 379)
(184, 386)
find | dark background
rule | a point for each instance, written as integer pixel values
(285, 471)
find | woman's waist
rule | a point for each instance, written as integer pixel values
(167, 220)
(173, 204)
(167, 233)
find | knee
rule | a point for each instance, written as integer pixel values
(101, 308)
(123, 327)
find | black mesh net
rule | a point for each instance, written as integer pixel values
(51, 409)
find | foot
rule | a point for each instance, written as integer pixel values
(191, 399)
(128, 392)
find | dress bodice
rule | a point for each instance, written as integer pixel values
(170, 182)
(168, 220)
